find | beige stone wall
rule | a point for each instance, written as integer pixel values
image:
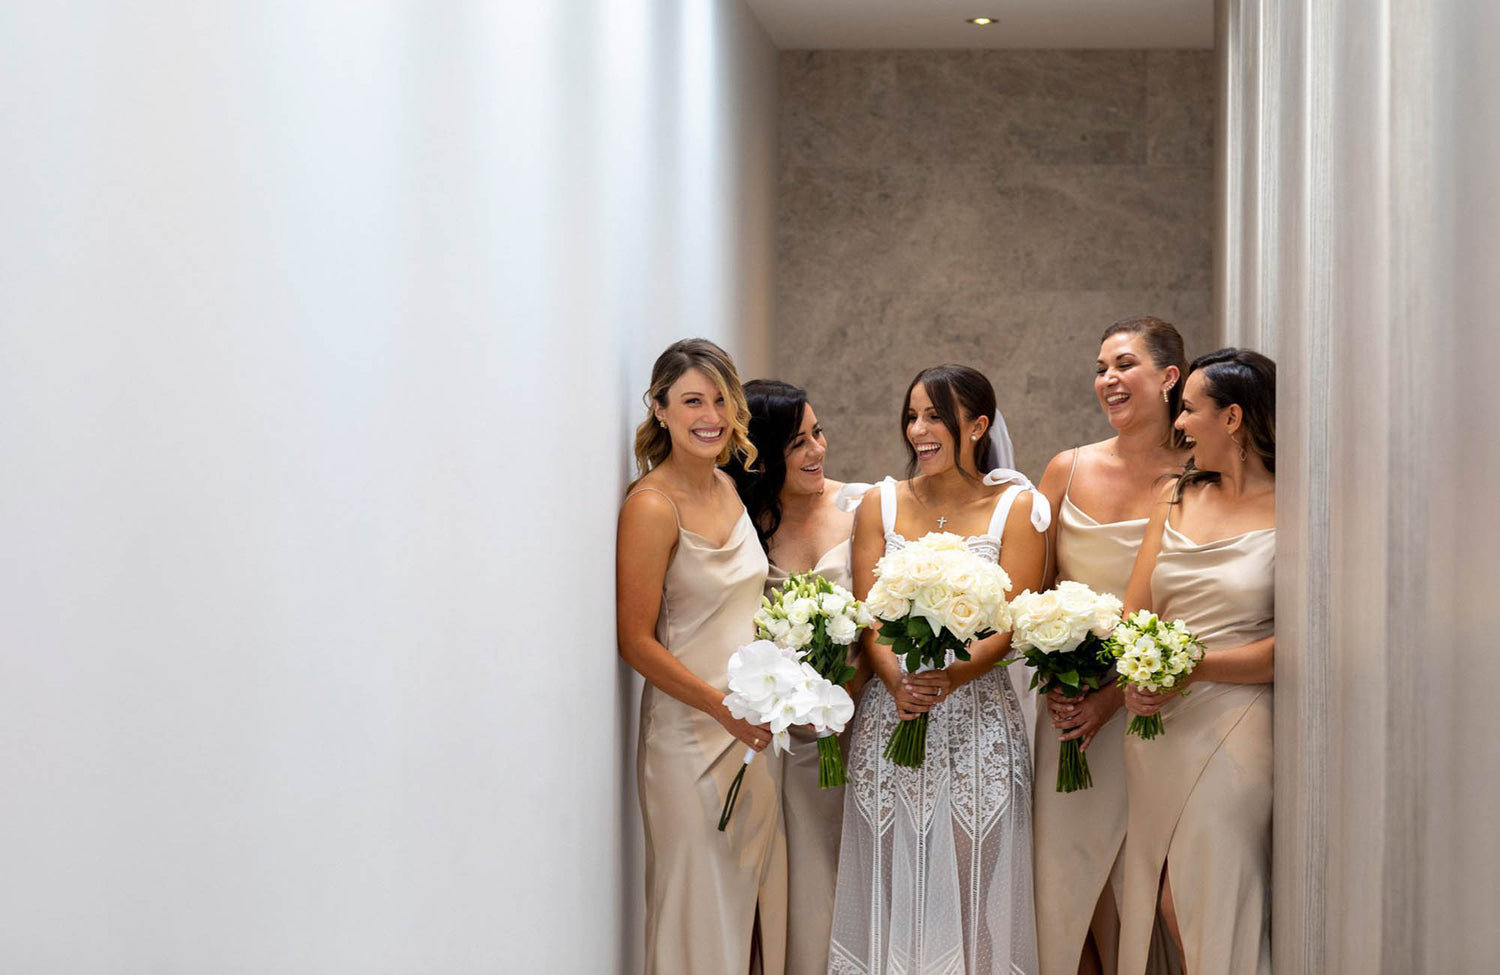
(996, 208)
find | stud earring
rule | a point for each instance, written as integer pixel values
(661, 423)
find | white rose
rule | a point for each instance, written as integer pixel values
(800, 636)
(924, 568)
(1052, 636)
(1106, 617)
(965, 617)
(832, 603)
(944, 542)
(841, 630)
(961, 571)
(1038, 608)
(778, 628)
(932, 605)
(884, 603)
(862, 615)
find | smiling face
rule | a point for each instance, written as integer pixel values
(1128, 384)
(1210, 428)
(804, 457)
(696, 415)
(930, 437)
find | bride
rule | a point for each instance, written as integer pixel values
(935, 864)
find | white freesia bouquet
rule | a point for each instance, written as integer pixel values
(1060, 634)
(817, 620)
(771, 686)
(934, 596)
(1155, 655)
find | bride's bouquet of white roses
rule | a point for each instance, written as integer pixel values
(1155, 655)
(934, 596)
(1060, 634)
(771, 686)
(817, 620)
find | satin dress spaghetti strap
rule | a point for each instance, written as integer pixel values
(709, 895)
(813, 817)
(1078, 835)
(1200, 794)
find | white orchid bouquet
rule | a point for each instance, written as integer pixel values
(817, 620)
(771, 686)
(1060, 634)
(934, 597)
(1155, 655)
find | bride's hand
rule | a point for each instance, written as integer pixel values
(930, 687)
(909, 703)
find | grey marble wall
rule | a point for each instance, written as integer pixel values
(996, 208)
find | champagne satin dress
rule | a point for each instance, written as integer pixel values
(813, 819)
(1200, 794)
(1078, 834)
(704, 888)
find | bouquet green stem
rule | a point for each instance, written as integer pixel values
(734, 791)
(830, 762)
(1146, 727)
(1073, 768)
(908, 744)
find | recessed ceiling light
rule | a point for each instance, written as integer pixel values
(980, 21)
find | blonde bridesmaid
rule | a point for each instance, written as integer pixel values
(805, 522)
(689, 577)
(1198, 844)
(1103, 494)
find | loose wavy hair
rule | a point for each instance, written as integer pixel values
(653, 442)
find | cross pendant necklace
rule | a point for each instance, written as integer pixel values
(941, 523)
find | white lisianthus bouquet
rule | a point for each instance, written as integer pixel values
(771, 686)
(817, 620)
(934, 597)
(1060, 634)
(1155, 655)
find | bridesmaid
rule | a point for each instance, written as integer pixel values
(1103, 494)
(689, 577)
(805, 522)
(1198, 843)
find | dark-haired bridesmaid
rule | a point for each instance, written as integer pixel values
(805, 521)
(1198, 843)
(689, 577)
(1103, 495)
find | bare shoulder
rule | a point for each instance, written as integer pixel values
(647, 507)
(1055, 477)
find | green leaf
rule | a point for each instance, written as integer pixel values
(1069, 677)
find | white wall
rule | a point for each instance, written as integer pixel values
(322, 331)
(1371, 225)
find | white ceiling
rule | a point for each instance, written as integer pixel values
(803, 24)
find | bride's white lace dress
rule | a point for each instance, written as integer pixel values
(935, 862)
